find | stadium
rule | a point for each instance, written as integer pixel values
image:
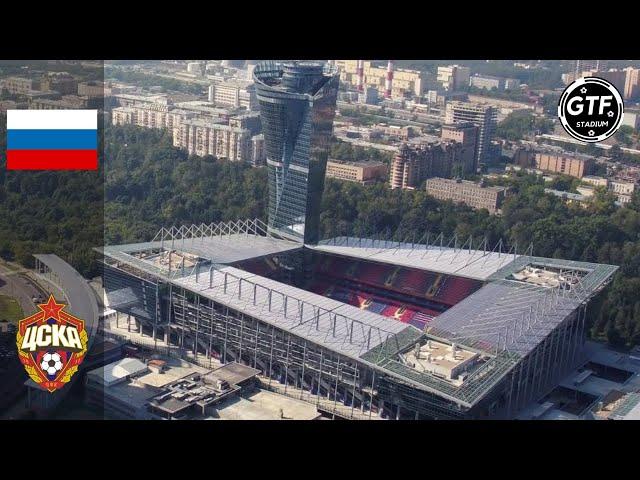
(364, 328)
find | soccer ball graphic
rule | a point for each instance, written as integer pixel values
(51, 363)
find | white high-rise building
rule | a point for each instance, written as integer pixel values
(482, 116)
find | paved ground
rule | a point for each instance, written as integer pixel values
(264, 405)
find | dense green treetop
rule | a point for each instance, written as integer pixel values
(150, 184)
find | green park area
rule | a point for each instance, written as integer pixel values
(10, 309)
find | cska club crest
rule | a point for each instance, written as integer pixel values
(51, 345)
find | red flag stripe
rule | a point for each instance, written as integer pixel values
(52, 159)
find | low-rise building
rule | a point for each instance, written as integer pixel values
(93, 89)
(476, 195)
(66, 102)
(511, 83)
(487, 82)
(440, 98)
(60, 82)
(623, 190)
(586, 191)
(595, 181)
(360, 172)
(163, 388)
(391, 131)
(569, 197)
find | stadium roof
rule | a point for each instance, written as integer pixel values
(505, 319)
(222, 249)
(464, 262)
(515, 316)
(502, 315)
(335, 325)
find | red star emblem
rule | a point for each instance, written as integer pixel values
(52, 308)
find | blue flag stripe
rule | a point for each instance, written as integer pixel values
(52, 139)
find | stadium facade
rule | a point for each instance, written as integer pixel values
(362, 328)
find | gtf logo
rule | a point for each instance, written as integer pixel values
(590, 109)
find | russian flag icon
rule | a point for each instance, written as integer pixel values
(52, 139)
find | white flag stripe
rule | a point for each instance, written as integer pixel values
(52, 119)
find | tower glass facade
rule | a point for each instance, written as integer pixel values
(297, 106)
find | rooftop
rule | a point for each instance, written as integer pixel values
(452, 181)
(265, 405)
(222, 243)
(116, 372)
(460, 261)
(363, 163)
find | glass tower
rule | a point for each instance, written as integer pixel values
(297, 105)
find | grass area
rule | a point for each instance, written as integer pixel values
(10, 309)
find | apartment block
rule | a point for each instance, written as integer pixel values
(250, 121)
(465, 134)
(158, 117)
(524, 157)
(413, 164)
(199, 137)
(560, 163)
(589, 65)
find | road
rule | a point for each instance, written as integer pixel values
(13, 283)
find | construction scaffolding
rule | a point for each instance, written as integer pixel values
(346, 360)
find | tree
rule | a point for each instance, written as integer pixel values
(615, 152)
(519, 124)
